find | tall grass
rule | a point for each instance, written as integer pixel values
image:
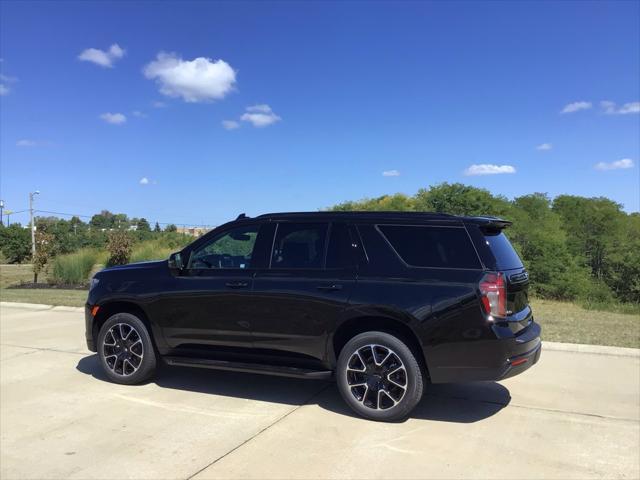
(151, 250)
(74, 268)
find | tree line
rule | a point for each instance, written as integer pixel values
(59, 236)
(575, 248)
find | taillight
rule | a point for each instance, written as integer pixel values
(493, 294)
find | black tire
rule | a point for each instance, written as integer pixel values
(133, 363)
(390, 402)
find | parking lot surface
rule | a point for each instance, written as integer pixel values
(573, 415)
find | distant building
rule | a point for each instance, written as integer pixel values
(193, 231)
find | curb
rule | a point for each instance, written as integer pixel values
(41, 307)
(551, 346)
(593, 349)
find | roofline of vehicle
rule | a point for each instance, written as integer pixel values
(484, 220)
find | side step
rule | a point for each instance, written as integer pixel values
(277, 370)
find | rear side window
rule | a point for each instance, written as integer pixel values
(299, 245)
(506, 256)
(436, 247)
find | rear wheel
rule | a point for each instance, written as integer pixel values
(125, 349)
(379, 376)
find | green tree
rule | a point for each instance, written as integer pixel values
(593, 226)
(171, 228)
(460, 199)
(542, 244)
(156, 229)
(143, 225)
(15, 243)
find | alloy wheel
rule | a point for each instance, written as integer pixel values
(376, 377)
(123, 349)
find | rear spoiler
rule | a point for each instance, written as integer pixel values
(490, 223)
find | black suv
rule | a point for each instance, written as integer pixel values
(385, 302)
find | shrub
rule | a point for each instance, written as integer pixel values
(74, 268)
(119, 246)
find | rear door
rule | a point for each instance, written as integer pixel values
(299, 298)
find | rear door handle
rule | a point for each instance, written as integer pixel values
(330, 288)
(237, 284)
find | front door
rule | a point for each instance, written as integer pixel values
(209, 306)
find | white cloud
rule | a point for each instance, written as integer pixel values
(617, 165)
(576, 106)
(391, 173)
(139, 114)
(26, 143)
(260, 115)
(544, 146)
(4, 89)
(488, 169)
(230, 124)
(101, 57)
(114, 118)
(144, 181)
(158, 104)
(610, 108)
(197, 80)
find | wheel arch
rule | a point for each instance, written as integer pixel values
(356, 325)
(121, 306)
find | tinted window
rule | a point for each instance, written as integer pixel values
(506, 256)
(444, 247)
(340, 251)
(232, 249)
(299, 245)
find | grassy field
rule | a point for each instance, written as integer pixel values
(561, 321)
(13, 274)
(570, 323)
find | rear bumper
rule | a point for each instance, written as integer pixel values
(487, 359)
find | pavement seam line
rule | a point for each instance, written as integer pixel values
(242, 444)
(43, 349)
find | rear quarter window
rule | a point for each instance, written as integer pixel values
(504, 253)
(435, 247)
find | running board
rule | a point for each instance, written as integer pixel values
(277, 370)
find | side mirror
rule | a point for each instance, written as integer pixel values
(175, 261)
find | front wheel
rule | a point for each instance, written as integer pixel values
(379, 376)
(125, 349)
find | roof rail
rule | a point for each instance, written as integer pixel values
(241, 216)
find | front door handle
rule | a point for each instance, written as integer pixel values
(237, 284)
(330, 288)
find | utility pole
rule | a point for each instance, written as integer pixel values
(33, 227)
(1, 208)
(8, 214)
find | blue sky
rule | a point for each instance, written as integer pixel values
(327, 97)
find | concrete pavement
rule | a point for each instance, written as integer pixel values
(574, 415)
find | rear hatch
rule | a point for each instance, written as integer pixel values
(498, 255)
(508, 262)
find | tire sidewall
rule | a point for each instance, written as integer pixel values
(414, 376)
(148, 365)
